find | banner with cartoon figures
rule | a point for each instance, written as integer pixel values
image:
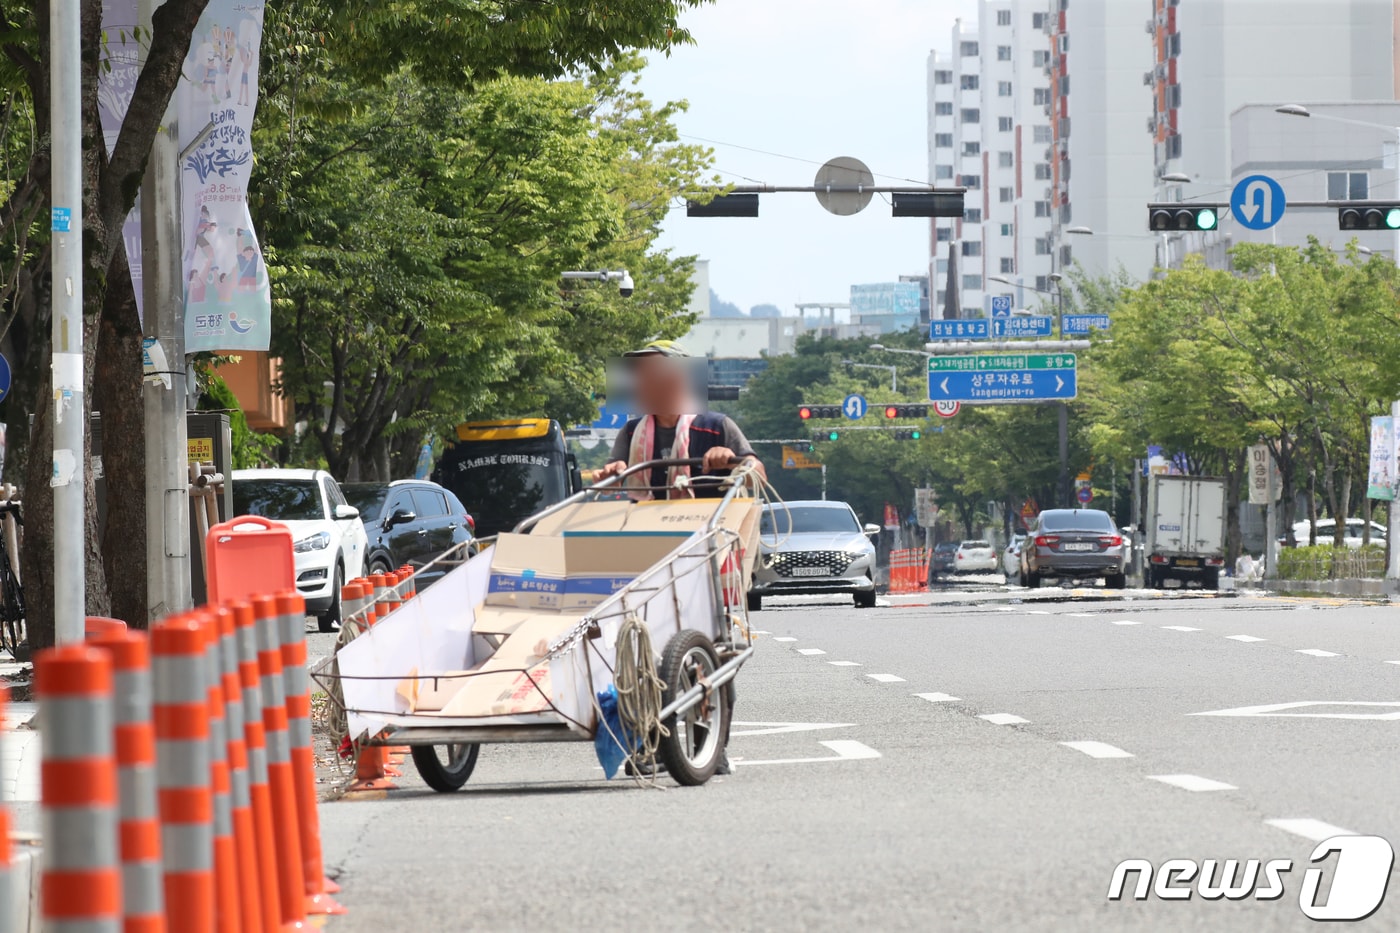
(228, 302)
(116, 82)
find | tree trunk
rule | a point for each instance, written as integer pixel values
(1237, 472)
(117, 393)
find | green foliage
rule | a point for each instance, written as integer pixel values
(1327, 562)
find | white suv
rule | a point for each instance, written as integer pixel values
(328, 538)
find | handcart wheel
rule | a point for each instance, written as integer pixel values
(445, 776)
(695, 744)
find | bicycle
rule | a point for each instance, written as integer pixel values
(13, 636)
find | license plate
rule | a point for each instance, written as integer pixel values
(1189, 562)
(1076, 547)
(811, 571)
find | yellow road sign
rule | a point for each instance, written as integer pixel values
(794, 459)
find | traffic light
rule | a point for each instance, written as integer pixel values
(908, 434)
(906, 411)
(831, 435)
(808, 412)
(1369, 216)
(1179, 216)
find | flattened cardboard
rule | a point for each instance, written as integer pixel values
(584, 516)
(601, 563)
(515, 679)
(527, 572)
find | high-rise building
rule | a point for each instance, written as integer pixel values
(988, 131)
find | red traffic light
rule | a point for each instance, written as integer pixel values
(891, 411)
(804, 413)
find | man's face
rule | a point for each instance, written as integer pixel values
(660, 384)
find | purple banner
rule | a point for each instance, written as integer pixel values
(115, 85)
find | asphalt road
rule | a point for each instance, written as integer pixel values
(920, 767)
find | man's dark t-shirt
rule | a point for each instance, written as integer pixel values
(665, 438)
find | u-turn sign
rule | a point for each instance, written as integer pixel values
(1258, 202)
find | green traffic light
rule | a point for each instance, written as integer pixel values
(833, 436)
(1206, 219)
(915, 434)
(1392, 218)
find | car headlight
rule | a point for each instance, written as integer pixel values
(317, 542)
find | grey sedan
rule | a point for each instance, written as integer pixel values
(1075, 544)
(814, 547)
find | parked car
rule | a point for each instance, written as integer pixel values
(944, 557)
(1074, 544)
(1011, 558)
(814, 547)
(328, 538)
(975, 557)
(1327, 528)
(411, 521)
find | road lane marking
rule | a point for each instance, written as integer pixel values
(1098, 749)
(785, 638)
(781, 728)
(1007, 609)
(1313, 830)
(1288, 709)
(1081, 615)
(1002, 719)
(1191, 782)
(845, 749)
(1038, 612)
(937, 697)
(886, 678)
(1243, 638)
(759, 631)
(1392, 662)
(810, 651)
(1180, 628)
(844, 663)
(1317, 652)
(1123, 622)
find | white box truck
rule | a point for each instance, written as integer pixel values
(1185, 531)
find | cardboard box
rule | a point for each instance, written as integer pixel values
(431, 694)
(583, 517)
(691, 515)
(601, 563)
(527, 572)
(492, 626)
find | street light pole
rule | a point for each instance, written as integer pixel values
(1063, 409)
(893, 371)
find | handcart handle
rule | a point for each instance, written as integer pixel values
(647, 466)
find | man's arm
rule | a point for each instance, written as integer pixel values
(617, 457)
(735, 445)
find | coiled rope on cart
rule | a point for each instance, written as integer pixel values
(639, 691)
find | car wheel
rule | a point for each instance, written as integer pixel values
(378, 565)
(1211, 580)
(445, 777)
(865, 600)
(329, 621)
(755, 602)
(1032, 580)
(1115, 581)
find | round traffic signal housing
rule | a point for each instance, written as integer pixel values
(891, 411)
(833, 435)
(1392, 218)
(1206, 219)
(915, 434)
(805, 413)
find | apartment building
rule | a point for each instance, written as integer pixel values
(988, 131)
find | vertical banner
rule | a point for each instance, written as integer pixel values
(1381, 475)
(1263, 489)
(116, 82)
(228, 302)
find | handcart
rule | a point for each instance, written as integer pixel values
(506, 648)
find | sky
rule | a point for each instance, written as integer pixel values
(805, 81)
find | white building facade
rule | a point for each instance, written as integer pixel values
(988, 131)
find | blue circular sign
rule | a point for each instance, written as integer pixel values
(1085, 495)
(4, 378)
(1258, 202)
(855, 407)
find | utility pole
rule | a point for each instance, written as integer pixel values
(167, 477)
(69, 460)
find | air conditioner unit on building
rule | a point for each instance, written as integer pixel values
(1148, 78)
(1151, 26)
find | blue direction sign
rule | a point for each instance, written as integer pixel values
(4, 377)
(1258, 202)
(610, 418)
(1003, 377)
(1001, 306)
(1039, 326)
(975, 329)
(855, 407)
(1084, 323)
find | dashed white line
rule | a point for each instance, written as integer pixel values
(844, 663)
(1180, 628)
(785, 638)
(759, 631)
(1098, 749)
(937, 697)
(1038, 612)
(1243, 638)
(810, 651)
(1314, 830)
(1317, 652)
(1123, 622)
(1081, 615)
(1392, 662)
(886, 678)
(1002, 719)
(1191, 782)
(1007, 609)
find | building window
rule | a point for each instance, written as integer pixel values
(942, 267)
(1003, 88)
(972, 181)
(1066, 256)
(1042, 95)
(1042, 171)
(1003, 53)
(971, 248)
(1042, 246)
(1064, 86)
(1042, 208)
(942, 77)
(1040, 58)
(1006, 195)
(1042, 283)
(1005, 124)
(971, 115)
(1041, 134)
(1038, 20)
(943, 108)
(1006, 160)
(943, 172)
(968, 49)
(972, 215)
(1008, 265)
(944, 234)
(972, 148)
(1003, 17)
(1348, 186)
(943, 140)
(972, 283)
(1173, 147)
(968, 82)
(1174, 45)
(1008, 230)
(939, 298)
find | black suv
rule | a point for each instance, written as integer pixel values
(410, 521)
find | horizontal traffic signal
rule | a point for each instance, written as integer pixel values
(906, 411)
(1369, 216)
(831, 435)
(724, 205)
(808, 412)
(908, 434)
(1178, 216)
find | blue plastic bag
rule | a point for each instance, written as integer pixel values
(608, 742)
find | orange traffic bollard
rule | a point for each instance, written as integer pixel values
(255, 739)
(7, 903)
(228, 913)
(240, 800)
